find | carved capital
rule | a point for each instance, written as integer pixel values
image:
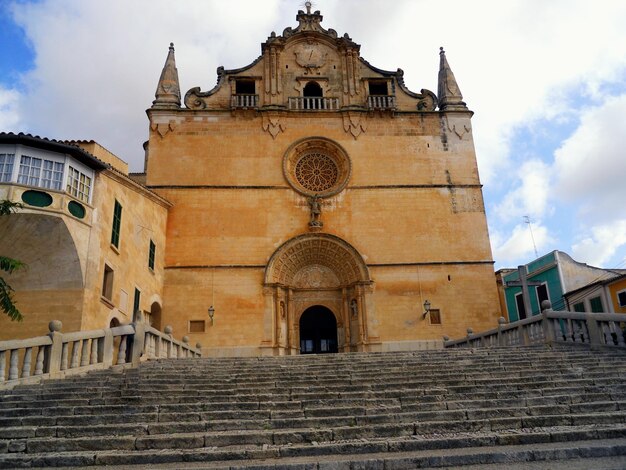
(354, 123)
(163, 128)
(272, 125)
(460, 129)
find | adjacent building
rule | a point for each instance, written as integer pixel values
(92, 239)
(557, 277)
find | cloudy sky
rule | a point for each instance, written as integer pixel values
(545, 78)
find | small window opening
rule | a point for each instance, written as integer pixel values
(435, 316)
(244, 87)
(378, 88)
(196, 326)
(312, 90)
(107, 283)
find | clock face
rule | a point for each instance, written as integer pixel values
(310, 56)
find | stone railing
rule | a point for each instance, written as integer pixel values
(303, 103)
(381, 102)
(550, 327)
(244, 101)
(58, 355)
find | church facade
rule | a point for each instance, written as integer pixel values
(318, 204)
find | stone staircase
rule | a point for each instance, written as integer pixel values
(525, 408)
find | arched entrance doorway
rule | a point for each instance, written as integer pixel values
(322, 273)
(318, 331)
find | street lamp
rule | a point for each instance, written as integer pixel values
(211, 313)
(426, 309)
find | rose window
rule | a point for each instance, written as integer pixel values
(316, 172)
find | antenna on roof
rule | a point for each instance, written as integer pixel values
(528, 221)
(308, 6)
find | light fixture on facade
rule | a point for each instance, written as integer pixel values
(211, 313)
(426, 308)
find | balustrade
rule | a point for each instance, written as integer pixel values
(244, 101)
(314, 103)
(381, 102)
(61, 354)
(594, 329)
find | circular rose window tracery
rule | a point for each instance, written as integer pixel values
(316, 166)
(316, 172)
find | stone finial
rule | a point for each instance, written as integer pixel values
(198, 346)
(501, 320)
(450, 97)
(168, 90)
(470, 331)
(446, 338)
(546, 305)
(55, 325)
(186, 339)
(168, 330)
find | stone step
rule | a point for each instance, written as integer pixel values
(356, 424)
(393, 453)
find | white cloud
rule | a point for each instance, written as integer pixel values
(97, 62)
(512, 249)
(9, 109)
(591, 164)
(602, 244)
(531, 196)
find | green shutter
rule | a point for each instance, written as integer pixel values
(137, 301)
(596, 305)
(117, 224)
(151, 255)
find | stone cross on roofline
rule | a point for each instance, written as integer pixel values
(524, 283)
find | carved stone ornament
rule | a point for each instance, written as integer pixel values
(354, 123)
(310, 56)
(459, 129)
(314, 277)
(163, 128)
(327, 252)
(272, 125)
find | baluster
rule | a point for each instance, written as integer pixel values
(64, 356)
(93, 359)
(26, 365)
(75, 349)
(84, 354)
(121, 356)
(585, 332)
(2, 365)
(558, 330)
(39, 360)
(13, 371)
(620, 336)
(608, 338)
(569, 331)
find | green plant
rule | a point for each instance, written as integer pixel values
(9, 265)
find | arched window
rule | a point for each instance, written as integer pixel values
(312, 90)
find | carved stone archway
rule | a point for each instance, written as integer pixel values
(318, 269)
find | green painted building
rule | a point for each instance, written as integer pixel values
(551, 276)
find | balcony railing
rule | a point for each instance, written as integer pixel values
(551, 327)
(381, 102)
(244, 101)
(305, 103)
(58, 355)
